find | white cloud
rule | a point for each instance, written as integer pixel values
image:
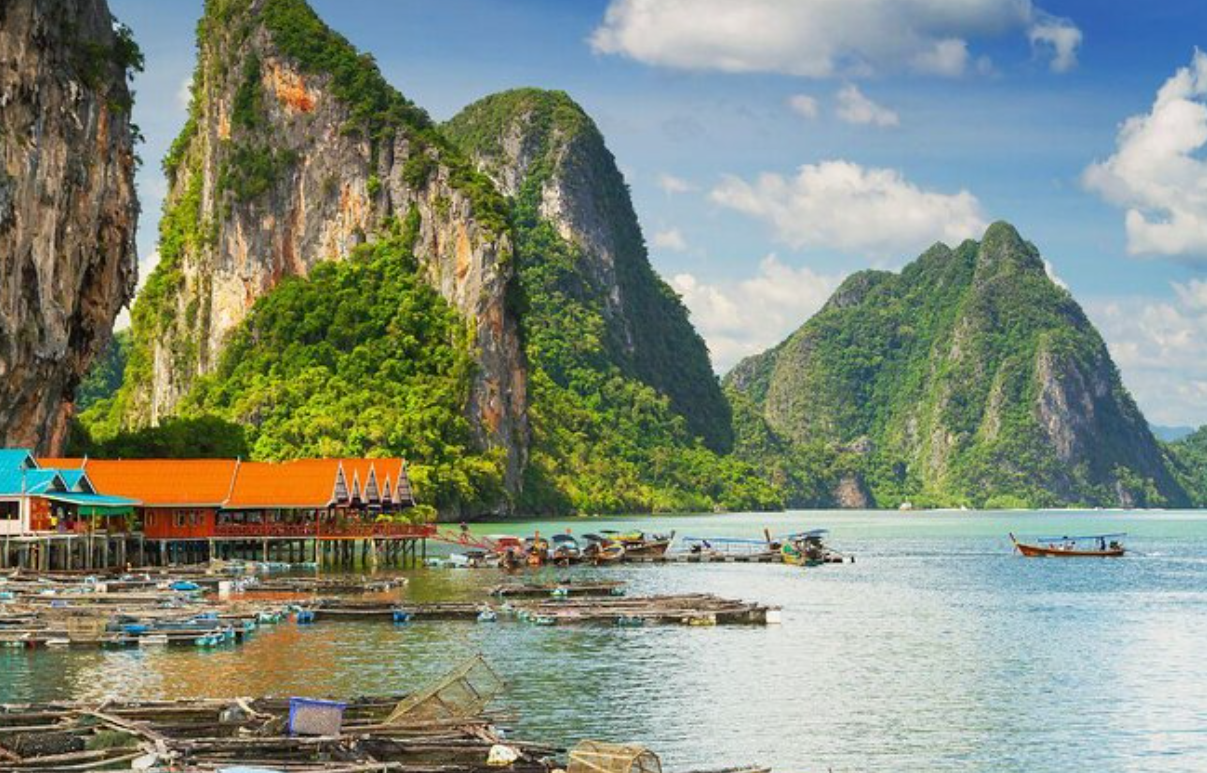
(820, 38)
(1050, 270)
(670, 239)
(1059, 38)
(145, 266)
(803, 105)
(947, 57)
(854, 107)
(1155, 174)
(844, 206)
(1161, 349)
(184, 94)
(672, 185)
(739, 319)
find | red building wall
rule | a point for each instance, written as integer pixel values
(179, 523)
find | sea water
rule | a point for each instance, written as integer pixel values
(937, 650)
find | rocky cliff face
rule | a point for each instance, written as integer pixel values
(67, 206)
(968, 377)
(542, 150)
(296, 151)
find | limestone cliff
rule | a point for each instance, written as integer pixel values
(543, 150)
(67, 205)
(968, 378)
(295, 152)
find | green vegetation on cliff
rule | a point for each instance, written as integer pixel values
(362, 358)
(969, 378)
(1188, 459)
(645, 330)
(623, 400)
(104, 378)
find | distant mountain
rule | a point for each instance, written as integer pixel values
(1188, 458)
(970, 378)
(1170, 434)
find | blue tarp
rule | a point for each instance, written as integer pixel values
(93, 500)
(726, 540)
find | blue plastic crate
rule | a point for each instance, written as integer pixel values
(314, 717)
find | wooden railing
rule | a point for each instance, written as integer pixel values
(327, 530)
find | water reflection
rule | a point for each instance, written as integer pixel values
(937, 651)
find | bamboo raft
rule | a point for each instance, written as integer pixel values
(83, 617)
(443, 728)
(560, 589)
(690, 609)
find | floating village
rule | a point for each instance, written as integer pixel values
(204, 554)
(149, 554)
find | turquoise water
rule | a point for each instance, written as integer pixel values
(938, 650)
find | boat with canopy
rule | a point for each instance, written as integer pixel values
(1088, 546)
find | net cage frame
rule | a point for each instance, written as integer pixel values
(463, 692)
(603, 757)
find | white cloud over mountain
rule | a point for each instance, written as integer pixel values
(670, 239)
(742, 318)
(1161, 349)
(822, 38)
(1156, 174)
(672, 185)
(843, 206)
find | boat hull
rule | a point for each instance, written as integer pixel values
(648, 549)
(1039, 551)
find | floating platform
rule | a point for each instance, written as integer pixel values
(696, 609)
(421, 733)
(568, 589)
(768, 557)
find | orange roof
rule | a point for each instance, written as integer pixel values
(158, 482)
(301, 483)
(233, 484)
(61, 463)
(383, 470)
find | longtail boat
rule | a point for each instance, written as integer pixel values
(807, 548)
(601, 550)
(639, 544)
(1091, 546)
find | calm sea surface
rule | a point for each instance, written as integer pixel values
(938, 650)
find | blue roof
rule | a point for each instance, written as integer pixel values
(72, 478)
(16, 458)
(726, 540)
(15, 480)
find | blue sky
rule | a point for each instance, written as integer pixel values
(775, 146)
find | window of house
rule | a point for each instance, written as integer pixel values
(179, 519)
(10, 511)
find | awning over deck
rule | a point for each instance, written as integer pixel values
(95, 504)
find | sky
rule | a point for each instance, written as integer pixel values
(773, 147)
